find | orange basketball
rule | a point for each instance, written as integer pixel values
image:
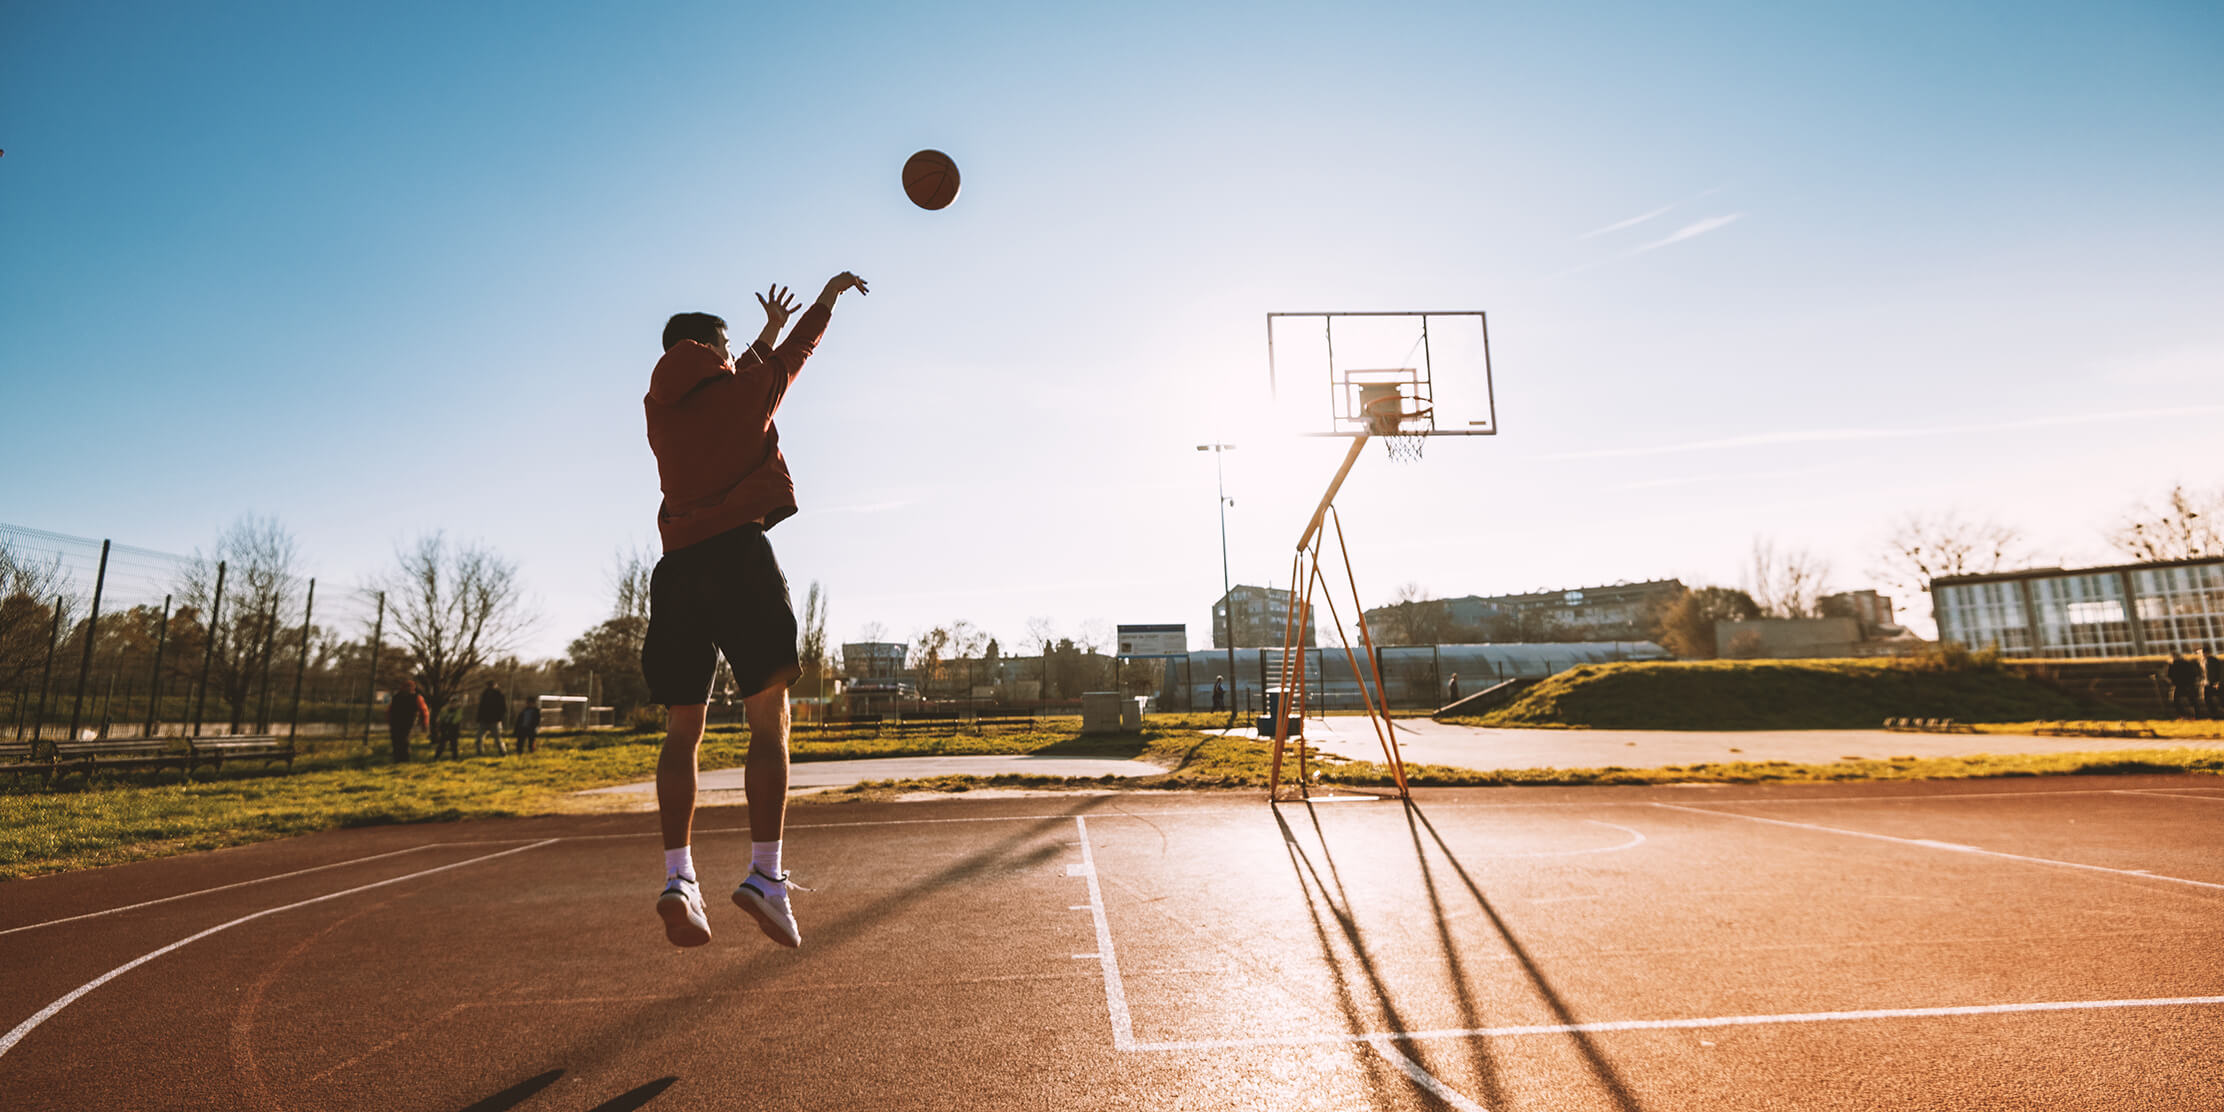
(931, 179)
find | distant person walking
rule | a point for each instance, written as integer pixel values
(719, 589)
(405, 710)
(1453, 690)
(2186, 682)
(447, 730)
(529, 727)
(1219, 694)
(2213, 665)
(492, 710)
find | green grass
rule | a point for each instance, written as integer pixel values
(1777, 695)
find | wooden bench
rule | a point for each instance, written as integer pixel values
(214, 751)
(15, 757)
(115, 753)
(2095, 729)
(1928, 726)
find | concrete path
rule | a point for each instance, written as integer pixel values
(1423, 741)
(724, 785)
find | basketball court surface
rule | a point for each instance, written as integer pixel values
(2055, 944)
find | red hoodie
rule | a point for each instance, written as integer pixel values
(710, 425)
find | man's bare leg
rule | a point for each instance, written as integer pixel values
(765, 778)
(681, 905)
(675, 774)
(764, 895)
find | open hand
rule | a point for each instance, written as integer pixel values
(840, 284)
(778, 304)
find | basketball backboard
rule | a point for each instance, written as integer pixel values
(1343, 374)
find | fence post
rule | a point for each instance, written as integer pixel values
(208, 651)
(301, 667)
(270, 649)
(46, 678)
(92, 626)
(370, 691)
(154, 678)
(108, 700)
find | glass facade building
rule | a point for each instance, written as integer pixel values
(2127, 610)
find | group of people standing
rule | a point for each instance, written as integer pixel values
(2196, 684)
(407, 711)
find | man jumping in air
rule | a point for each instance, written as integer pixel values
(718, 588)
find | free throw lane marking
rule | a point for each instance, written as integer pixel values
(8, 1041)
(218, 888)
(1115, 994)
(1954, 847)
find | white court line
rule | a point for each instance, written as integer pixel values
(1424, 1078)
(1955, 847)
(1686, 1023)
(2186, 794)
(1123, 1024)
(9, 1040)
(1115, 994)
(218, 888)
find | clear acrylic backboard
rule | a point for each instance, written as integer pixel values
(1347, 373)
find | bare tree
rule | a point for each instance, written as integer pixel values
(1923, 547)
(2187, 526)
(1414, 617)
(28, 589)
(1785, 584)
(261, 591)
(872, 631)
(457, 608)
(928, 651)
(1686, 626)
(630, 575)
(813, 649)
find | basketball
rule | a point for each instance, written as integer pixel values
(931, 179)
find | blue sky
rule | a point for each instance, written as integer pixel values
(1781, 270)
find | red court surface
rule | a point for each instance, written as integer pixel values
(2051, 944)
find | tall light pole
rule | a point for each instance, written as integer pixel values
(1227, 588)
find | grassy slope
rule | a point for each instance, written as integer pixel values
(1777, 694)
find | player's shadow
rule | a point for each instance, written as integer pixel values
(1332, 896)
(517, 1094)
(712, 998)
(1608, 1077)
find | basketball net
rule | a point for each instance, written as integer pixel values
(1387, 420)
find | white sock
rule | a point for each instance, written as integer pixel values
(764, 857)
(679, 862)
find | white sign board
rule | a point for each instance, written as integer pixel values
(1154, 640)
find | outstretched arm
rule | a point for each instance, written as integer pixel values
(778, 304)
(840, 284)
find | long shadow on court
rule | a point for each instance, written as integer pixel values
(1338, 904)
(1607, 1075)
(630, 1027)
(628, 1101)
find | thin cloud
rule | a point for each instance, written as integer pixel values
(1629, 223)
(866, 507)
(1827, 436)
(1661, 211)
(1690, 231)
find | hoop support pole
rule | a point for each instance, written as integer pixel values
(1282, 713)
(1312, 526)
(1374, 660)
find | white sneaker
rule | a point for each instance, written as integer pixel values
(765, 898)
(681, 908)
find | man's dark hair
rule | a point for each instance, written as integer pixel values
(700, 327)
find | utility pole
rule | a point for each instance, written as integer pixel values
(1227, 587)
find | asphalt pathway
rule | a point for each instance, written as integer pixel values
(1423, 741)
(1985, 944)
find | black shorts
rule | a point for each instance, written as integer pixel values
(727, 595)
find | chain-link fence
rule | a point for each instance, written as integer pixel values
(100, 640)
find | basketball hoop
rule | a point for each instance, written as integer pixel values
(1401, 431)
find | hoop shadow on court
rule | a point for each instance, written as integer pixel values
(634, 1098)
(1322, 887)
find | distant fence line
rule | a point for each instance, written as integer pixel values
(108, 640)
